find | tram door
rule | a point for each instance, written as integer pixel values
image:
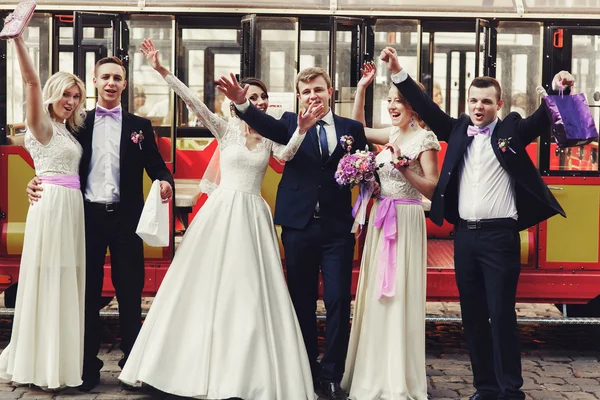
(452, 55)
(95, 36)
(573, 244)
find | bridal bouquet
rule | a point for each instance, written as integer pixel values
(357, 169)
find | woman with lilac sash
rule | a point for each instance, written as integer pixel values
(46, 345)
(386, 354)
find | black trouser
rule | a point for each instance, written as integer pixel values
(113, 230)
(306, 251)
(487, 265)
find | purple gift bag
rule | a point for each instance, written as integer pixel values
(572, 121)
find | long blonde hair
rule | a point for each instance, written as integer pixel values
(53, 91)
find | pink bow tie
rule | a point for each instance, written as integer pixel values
(473, 130)
(114, 113)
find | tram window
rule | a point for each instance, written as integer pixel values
(65, 50)
(585, 67)
(37, 38)
(519, 46)
(157, 106)
(314, 48)
(277, 61)
(402, 35)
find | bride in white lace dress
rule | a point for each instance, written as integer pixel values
(222, 324)
(46, 344)
(386, 354)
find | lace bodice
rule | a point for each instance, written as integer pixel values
(60, 156)
(240, 168)
(393, 182)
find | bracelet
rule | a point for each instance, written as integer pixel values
(402, 162)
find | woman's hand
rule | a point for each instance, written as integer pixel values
(368, 74)
(151, 54)
(393, 147)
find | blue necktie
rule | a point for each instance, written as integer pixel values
(323, 141)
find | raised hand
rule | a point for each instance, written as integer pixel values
(309, 117)
(368, 74)
(393, 147)
(232, 89)
(151, 54)
(564, 79)
(390, 58)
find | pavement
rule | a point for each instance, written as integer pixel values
(559, 361)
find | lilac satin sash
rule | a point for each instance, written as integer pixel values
(70, 181)
(385, 218)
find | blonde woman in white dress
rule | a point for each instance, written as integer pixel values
(46, 345)
(222, 324)
(386, 355)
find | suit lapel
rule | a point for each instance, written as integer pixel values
(494, 138)
(126, 130)
(339, 130)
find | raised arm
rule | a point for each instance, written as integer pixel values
(38, 121)
(377, 136)
(439, 122)
(263, 123)
(213, 122)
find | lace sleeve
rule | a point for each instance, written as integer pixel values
(430, 142)
(214, 123)
(288, 151)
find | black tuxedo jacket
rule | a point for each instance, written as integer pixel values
(133, 161)
(534, 201)
(306, 179)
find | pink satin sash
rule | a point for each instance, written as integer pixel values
(70, 181)
(385, 218)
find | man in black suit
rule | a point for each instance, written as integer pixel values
(490, 190)
(316, 218)
(111, 172)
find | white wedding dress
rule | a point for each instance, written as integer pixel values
(222, 324)
(46, 344)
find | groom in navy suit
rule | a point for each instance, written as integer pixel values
(315, 214)
(490, 190)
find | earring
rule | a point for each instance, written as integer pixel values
(412, 122)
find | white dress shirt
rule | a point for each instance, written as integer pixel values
(485, 189)
(104, 173)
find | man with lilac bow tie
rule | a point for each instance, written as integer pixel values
(117, 148)
(490, 190)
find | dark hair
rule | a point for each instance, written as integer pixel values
(110, 60)
(243, 83)
(254, 82)
(485, 82)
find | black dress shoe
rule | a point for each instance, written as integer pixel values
(131, 388)
(333, 391)
(484, 396)
(88, 384)
(121, 362)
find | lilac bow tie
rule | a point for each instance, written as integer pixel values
(115, 112)
(473, 130)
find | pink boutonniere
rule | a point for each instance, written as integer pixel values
(504, 143)
(137, 138)
(346, 142)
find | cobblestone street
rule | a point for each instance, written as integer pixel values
(559, 361)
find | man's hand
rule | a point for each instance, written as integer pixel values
(309, 117)
(390, 58)
(166, 191)
(232, 89)
(564, 79)
(33, 190)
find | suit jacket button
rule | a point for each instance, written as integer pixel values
(449, 173)
(322, 168)
(319, 186)
(441, 195)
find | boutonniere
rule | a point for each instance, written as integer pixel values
(137, 138)
(346, 142)
(504, 143)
